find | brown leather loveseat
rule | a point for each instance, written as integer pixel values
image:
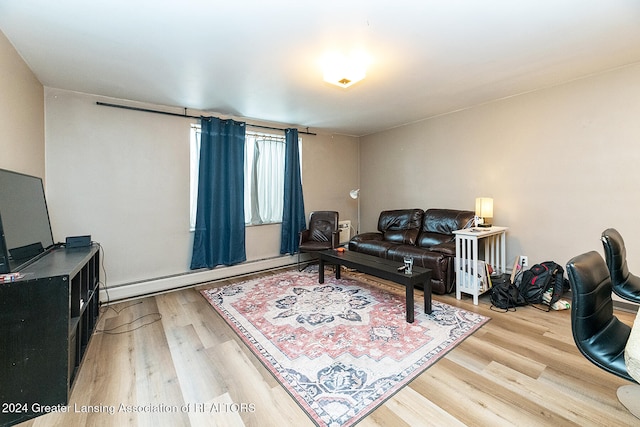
(427, 236)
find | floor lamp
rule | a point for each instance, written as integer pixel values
(355, 194)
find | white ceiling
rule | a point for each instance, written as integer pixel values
(260, 59)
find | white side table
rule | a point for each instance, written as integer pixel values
(467, 265)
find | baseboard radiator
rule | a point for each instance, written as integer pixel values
(169, 283)
(345, 231)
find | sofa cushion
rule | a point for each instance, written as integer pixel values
(447, 248)
(421, 257)
(400, 225)
(377, 248)
(427, 239)
(438, 226)
(446, 221)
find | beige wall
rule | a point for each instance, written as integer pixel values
(123, 177)
(562, 164)
(21, 114)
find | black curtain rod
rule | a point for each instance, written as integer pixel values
(146, 110)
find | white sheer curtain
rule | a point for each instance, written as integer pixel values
(264, 178)
(193, 175)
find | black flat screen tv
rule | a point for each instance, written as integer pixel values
(25, 229)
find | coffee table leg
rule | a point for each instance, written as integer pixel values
(409, 299)
(338, 267)
(427, 298)
(321, 271)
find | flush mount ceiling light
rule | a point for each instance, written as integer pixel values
(344, 71)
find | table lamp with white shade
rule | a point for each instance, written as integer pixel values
(484, 211)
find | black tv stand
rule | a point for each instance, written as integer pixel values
(47, 318)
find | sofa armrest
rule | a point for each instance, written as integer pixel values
(335, 239)
(305, 235)
(367, 236)
(447, 248)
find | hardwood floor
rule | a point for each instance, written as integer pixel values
(521, 368)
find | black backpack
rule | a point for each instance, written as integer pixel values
(504, 294)
(540, 278)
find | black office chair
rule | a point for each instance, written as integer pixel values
(322, 234)
(625, 284)
(598, 334)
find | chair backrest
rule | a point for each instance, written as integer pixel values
(323, 225)
(598, 334)
(616, 255)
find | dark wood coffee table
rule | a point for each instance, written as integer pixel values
(383, 269)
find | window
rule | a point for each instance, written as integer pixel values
(263, 177)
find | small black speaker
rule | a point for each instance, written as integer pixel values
(78, 241)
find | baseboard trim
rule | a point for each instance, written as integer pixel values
(626, 306)
(169, 283)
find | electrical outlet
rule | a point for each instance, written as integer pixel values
(524, 260)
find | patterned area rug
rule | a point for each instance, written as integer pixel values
(341, 348)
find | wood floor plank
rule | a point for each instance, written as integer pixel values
(200, 380)
(208, 325)
(476, 353)
(459, 393)
(246, 386)
(216, 412)
(570, 407)
(414, 410)
(284, 404)
(156, 377)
